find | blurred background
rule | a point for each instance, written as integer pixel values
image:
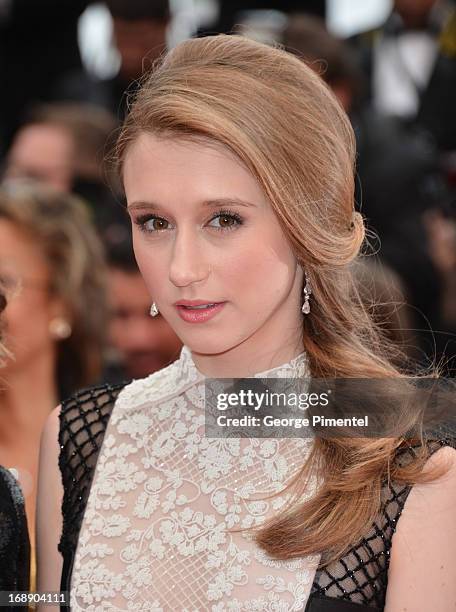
(78, 310)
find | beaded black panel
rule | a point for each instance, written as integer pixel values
(361, 576)
(83, 421)
(14, 539)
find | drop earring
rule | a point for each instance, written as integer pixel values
(307, 291)
(154, 310)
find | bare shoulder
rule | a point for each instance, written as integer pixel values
(49, 500)
(440, 489)
(444, 457)
(49, 447)
(423, 563)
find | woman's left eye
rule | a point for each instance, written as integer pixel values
(225, 221)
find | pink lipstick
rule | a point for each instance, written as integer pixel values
(198, 311)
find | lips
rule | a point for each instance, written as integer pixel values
(195, 303)
(199, 307)
(198, 311)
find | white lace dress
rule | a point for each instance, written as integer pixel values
(157, 533)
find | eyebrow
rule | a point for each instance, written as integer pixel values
(142, 205)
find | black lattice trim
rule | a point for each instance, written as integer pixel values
(83, 421)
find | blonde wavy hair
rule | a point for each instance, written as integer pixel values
(284, 124)
(61, 226)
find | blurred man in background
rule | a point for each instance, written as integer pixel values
(140, 344)
(63, 145)
(139, 34)
(410, 63)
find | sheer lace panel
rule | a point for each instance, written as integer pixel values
(157, 532)
(83, 420)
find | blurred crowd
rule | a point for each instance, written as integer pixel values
(78, 310)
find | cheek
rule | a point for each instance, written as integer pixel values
(264, 266)
(27, 325)
(25, 312)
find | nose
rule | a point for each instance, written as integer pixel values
(189, 264)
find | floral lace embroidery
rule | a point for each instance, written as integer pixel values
(164, 527)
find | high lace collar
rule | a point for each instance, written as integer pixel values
(298, 367)
(183, 373)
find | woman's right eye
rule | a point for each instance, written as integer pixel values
(151, 223)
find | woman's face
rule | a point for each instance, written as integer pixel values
(203, 230)
(30, 308)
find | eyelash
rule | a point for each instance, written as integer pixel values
(143, 219)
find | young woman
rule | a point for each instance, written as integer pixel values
(51, 261)
(237, 163)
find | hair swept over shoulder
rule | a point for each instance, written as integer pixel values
(285, 125)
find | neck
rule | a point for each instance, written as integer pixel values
(277, 342)
(27, 397)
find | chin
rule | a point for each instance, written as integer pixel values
(212, 342)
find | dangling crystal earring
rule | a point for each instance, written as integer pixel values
(154, 310)
(307, 291)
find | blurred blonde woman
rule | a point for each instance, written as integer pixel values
(52, 266)
(15, 544)
(237, 163)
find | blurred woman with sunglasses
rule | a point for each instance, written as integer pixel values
(52, 267)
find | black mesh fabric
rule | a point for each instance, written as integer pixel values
(83, 421)
(358, 580)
